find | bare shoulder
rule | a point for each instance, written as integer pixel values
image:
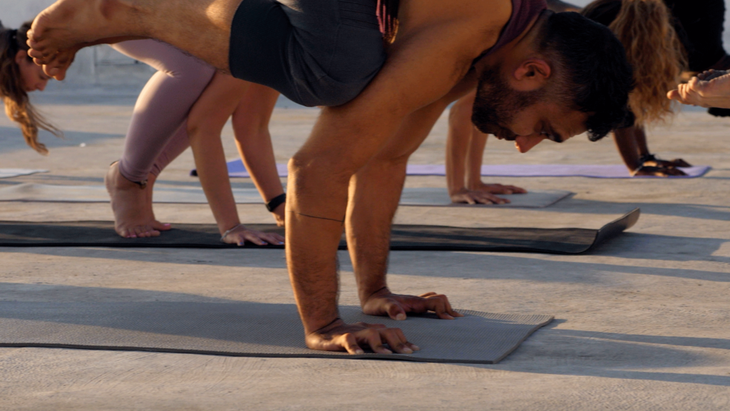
(472, 25)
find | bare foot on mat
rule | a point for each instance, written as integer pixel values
(132, 206)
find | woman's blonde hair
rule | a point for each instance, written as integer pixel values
(653, 49)
(12, 90)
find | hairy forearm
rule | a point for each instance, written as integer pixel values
(312, 237)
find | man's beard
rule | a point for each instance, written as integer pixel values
(497, 103)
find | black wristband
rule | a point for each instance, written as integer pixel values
(646, 158)
(276, 202)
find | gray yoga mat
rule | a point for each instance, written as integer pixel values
(427, 196)
(246, 329)
(403, 237)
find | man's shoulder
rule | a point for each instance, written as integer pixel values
(470, 23)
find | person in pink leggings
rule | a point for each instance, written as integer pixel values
(180, 106)
(176, 109)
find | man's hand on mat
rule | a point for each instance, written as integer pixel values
(476, 197)
(240, 234)
(396, 306)
(658, 171)
(339, 336)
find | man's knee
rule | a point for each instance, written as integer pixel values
(307, 170)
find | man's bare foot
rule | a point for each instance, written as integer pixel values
(65, 27)
(132, 206)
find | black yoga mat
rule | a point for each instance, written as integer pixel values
(403, 237)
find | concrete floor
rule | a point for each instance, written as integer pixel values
(641, 322)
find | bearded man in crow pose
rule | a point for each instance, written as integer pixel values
(383, 70)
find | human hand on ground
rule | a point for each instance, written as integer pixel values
(498, 189)
(710, 88)
(396, 306)
(658, 171)
(677, 162)
(240, 234)
(339, 336)
(476, 197)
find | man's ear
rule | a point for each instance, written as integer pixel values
(531, 74)
(20, 56)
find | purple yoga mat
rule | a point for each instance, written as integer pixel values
(236, 169)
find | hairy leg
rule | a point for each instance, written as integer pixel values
(200, 27)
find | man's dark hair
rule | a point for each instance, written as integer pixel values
(591, 62)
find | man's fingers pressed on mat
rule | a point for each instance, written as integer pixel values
(375, 341)
(397, 341)
(395, 311)
(349, 343)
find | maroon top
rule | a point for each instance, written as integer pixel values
(523, 11)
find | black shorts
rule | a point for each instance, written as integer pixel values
(315, 52)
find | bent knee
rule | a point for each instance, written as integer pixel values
(307, 171)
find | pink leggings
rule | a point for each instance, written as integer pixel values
(158, 131)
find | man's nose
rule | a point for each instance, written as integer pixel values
(525, 143)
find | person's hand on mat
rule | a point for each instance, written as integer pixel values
(658, 171)
(396, 306)
(339, 336)
(677, 162)
(240, 234)
(476, 197)
(498, 188)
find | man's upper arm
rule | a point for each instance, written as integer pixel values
(419, 71)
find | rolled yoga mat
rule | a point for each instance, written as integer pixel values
(403, 237)
(420, 196)
(247, 329)
(237, 169)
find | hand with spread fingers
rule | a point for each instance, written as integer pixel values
(354, 338)
(476, 197)
(240, 234)
(396, 306)
(498, 188)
